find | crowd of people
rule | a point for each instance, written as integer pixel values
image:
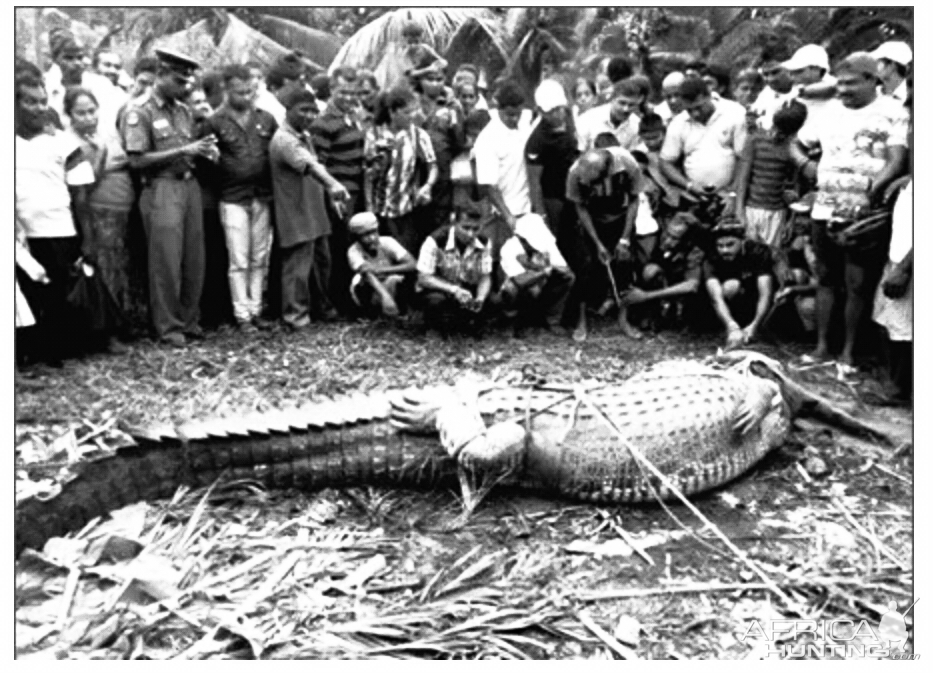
(776, 200)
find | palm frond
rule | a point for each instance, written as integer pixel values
(368, 44)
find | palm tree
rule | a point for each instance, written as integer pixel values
(366, 47)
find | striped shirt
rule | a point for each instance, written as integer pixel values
(772, 172)
(338, 141)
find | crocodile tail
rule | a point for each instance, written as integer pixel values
(335, 452)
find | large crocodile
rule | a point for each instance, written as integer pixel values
(699, 425)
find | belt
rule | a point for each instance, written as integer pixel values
(175, 175)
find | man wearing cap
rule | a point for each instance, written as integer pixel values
(739, 280)
(383, 270)
(863, 136)
(894, 59)
(549, 153)
(159, 137)
(813, 85)
(707, 138)
(616, 117)
(68, 70)
(537, 279)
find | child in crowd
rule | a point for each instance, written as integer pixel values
(651, 132)
(765, 173)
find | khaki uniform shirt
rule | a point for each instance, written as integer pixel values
(152, 124)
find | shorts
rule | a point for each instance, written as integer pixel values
(765, 226)
(832, 258)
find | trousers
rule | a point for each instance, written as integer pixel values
(172, 220)
(305, 274)
(248, 233)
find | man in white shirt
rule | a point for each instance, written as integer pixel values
(670, 90)
(537, 278)
(864, 142)
(500, 156)
(778, 89)
(893, 60)
(813, 85)
(616, 117)
(48, 167)
(708, 137)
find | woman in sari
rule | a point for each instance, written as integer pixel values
(108, 203)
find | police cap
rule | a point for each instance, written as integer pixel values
(176, 61)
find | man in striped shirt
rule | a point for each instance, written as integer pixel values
(338, 140)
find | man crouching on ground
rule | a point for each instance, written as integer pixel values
(455, 274)
(383, 271)
(739, 281)
(537, 278)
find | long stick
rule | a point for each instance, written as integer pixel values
(676, 491)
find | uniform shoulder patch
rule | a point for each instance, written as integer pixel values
(132, 118)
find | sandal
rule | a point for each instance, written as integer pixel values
(843, 369)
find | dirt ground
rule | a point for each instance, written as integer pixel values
(240, 572)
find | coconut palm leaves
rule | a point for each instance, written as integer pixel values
(367, 46)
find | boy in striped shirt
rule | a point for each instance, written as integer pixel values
(765, 172)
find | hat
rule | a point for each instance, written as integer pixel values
(363, 223)
(899, 52)
(549, 95)
(177, 61)
(809, 55)
(860, 62)
(729, 226)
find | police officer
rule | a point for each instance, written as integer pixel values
(159, 137)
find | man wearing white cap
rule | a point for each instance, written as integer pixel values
(537, 278)
(550, 152)
(380, 266)
(893, 60)
(813, 85)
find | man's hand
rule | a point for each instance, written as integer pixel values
(462, 296)
(633, 296)
(603, 254)
(423, 196)
(748, 334)
(204, 147)
(735, 339)
(338, 193)
(895, 285)
(623, 251)
(696, 189)
(475, 305)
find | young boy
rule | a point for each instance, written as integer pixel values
(651, 132)
(765, 172)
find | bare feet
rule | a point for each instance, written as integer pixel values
(579, 334)
(628, 329)
(389, 308)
